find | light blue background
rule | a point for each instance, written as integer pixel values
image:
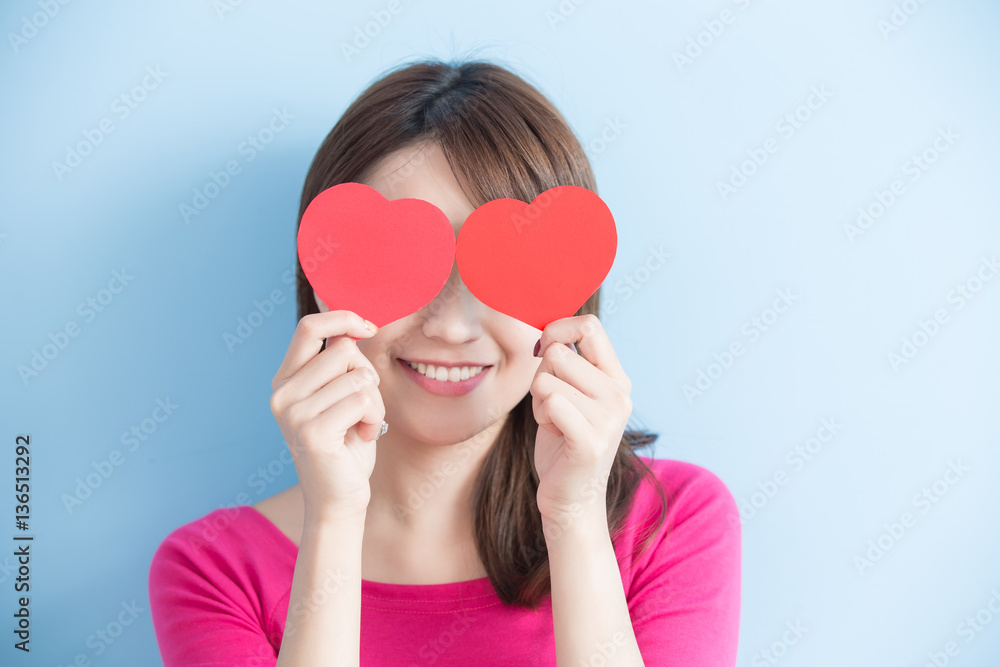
(685, 128)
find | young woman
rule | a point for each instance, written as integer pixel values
(505, 517)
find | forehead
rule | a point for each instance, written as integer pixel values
(422, 172)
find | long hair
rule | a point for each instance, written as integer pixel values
(502, 138)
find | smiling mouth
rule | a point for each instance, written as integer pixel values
(443, 373)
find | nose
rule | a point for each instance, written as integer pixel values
(454, 316)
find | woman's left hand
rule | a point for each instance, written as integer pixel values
(581, 403)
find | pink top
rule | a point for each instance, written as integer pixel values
(219, 589)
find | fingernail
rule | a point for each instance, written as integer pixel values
(538, 346)
(371, 326)
(382, 429)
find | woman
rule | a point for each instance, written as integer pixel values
(506, 518)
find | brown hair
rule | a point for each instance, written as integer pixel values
(502, 138)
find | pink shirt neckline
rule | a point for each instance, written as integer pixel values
(452, 591)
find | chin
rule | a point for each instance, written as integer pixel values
(441, 428)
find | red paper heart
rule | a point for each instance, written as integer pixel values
(382, 259)
(538, 262)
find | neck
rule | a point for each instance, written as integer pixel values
(426, 489)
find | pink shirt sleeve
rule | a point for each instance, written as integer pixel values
(684, 591)
(206, 608)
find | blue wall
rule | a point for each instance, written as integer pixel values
(803, 112)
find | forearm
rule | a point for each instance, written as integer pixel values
(323, 626)
(589, 610)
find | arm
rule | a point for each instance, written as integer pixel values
(683, 606)
(323, 625)
(684, 599)
(210, 605)
(589, 612)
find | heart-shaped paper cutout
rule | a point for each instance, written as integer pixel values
(382, 259)
(538, 262)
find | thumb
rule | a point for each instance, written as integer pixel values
(371, 431)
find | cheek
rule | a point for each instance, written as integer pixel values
(376, 352)
(521, 369)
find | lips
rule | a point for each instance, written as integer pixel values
(444, 387)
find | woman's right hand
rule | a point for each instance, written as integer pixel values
(329, 409)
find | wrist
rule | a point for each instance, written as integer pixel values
(583, 523)
(333, 517)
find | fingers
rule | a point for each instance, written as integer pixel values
(592, 341)
(357, 381)
(546, 384)
(363, 408)
(557, 413)
(583, 376)
(309, 335)
(341, 357)
(596, 371)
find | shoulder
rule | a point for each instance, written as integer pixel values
(216, 530)
(683, 591)
(697, 511)
(688, 488)
(220, 544)
(219, 575)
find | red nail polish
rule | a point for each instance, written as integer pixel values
(538, 346)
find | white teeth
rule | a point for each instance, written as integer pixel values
(446, 374)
